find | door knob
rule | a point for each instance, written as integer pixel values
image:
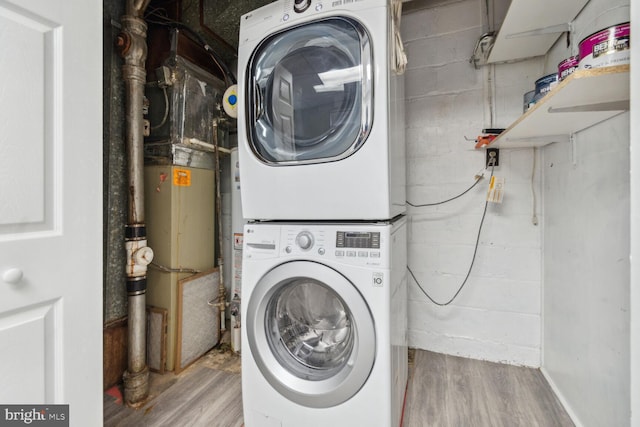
(12, 276)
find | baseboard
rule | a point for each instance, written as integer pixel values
(114, 357)
(561, 398)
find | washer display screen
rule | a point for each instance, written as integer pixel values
(352, 239)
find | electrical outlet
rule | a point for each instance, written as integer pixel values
(493, 153)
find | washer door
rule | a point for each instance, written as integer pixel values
(310, 93)
(311, 334)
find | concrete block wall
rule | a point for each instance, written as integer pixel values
(497, 316)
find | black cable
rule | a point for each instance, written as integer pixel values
(448, 200)
(473, 259)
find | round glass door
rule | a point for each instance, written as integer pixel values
(311, 334)
(310, 328)
(310, 93)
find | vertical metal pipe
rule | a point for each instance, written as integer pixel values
(137, 346)
(222, 295)
(132, 42)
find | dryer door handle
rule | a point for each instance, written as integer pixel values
(258, 101)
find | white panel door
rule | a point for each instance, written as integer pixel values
(51, 205)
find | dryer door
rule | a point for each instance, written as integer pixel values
(311, 334)
(310, 93)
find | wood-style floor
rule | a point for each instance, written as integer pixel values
(444, 391)
(453, 391)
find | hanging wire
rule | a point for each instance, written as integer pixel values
(534, 216)
(448, 200)
(477, 177)
(473, 259)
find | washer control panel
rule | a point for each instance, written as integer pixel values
(356, 244)
(351, 244)
(342, 242)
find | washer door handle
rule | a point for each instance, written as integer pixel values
(258, 101)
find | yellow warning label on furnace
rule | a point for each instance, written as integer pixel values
(182, 177)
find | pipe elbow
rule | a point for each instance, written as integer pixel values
(132, 41)
(139, 256)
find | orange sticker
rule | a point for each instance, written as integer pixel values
(182, 177)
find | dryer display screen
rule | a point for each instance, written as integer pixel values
(353, 239)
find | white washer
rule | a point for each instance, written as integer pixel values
(321, 128)
(324, 339)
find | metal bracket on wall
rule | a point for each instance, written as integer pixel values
(560, 28)
(539, 140)
(602, 106)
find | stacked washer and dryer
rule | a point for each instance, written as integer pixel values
(321, 153)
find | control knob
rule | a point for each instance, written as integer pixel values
(304, 239)
(301, 5)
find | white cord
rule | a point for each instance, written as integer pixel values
(534, 217)
(399, 56)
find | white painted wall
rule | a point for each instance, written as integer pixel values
(497, 315)
(586, 272)
(586, 353)
(635, 216)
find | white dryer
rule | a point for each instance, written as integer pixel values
(325, 326)
(321, 128)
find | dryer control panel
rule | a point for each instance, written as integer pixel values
(278, 14)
